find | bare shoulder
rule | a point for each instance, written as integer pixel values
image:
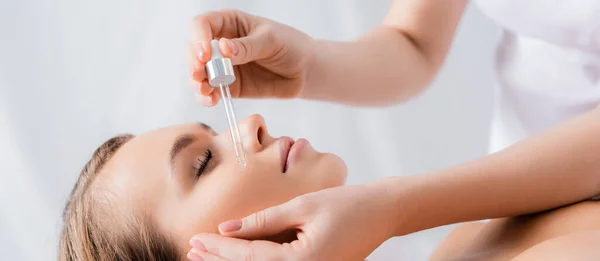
(558, 234)
(457, 241)
(581, 246)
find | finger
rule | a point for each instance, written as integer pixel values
(211, 257)
(204, 100)
(201, 88)
(194, 86)
(196, 67)
(207, 26)
(191, 56)
(203, 256)
(258, 45)
(267, 222)
(208, 100)
(214, 97)
(205, 88)
(239, 249)
(199, 72)
(200, 50)
(197, 255)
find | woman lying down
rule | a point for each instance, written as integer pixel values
(144, 197)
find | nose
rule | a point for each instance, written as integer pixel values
(254, 132)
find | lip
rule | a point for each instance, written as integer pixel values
(285, 144)
(290, 151)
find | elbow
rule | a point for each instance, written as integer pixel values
(422, 70)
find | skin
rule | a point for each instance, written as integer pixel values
(527, 237)
(397, 60)
(140, 176)
(576, 246)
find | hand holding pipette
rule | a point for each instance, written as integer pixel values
(271, 60)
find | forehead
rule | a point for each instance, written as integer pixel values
(158, 142)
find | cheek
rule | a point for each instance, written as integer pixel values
(231, 193)
(256, 191)
(319, 172)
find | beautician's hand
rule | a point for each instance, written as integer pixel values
(272, 59)
(344, 223)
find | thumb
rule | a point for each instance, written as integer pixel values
(267, 222)
(256, 46)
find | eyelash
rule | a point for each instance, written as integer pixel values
(203, 162)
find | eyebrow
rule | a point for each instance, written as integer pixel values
(183, 141)
(205, 126)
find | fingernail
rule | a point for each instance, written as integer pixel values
(192, 256)
(200, 50)
(197, 244)
(230, 226)
(232, 46)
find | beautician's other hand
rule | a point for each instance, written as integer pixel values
(344, 223)
(270, 59)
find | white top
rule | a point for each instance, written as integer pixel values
(547, 64)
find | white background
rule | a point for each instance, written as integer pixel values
(74, 73)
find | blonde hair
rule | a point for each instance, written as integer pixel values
(93, 229)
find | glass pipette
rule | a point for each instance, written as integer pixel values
(220, 74)
(233, 128)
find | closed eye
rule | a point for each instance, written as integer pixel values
(202, 162)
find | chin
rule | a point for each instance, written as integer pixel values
(336, 169)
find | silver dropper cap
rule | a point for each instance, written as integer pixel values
(219, 69)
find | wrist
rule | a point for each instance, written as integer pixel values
(388, 199)
(404, 198)
(314, 70)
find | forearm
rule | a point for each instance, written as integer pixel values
(555, 168)
(390, 63)
(383, 70)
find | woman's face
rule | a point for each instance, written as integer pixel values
(188, 179)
